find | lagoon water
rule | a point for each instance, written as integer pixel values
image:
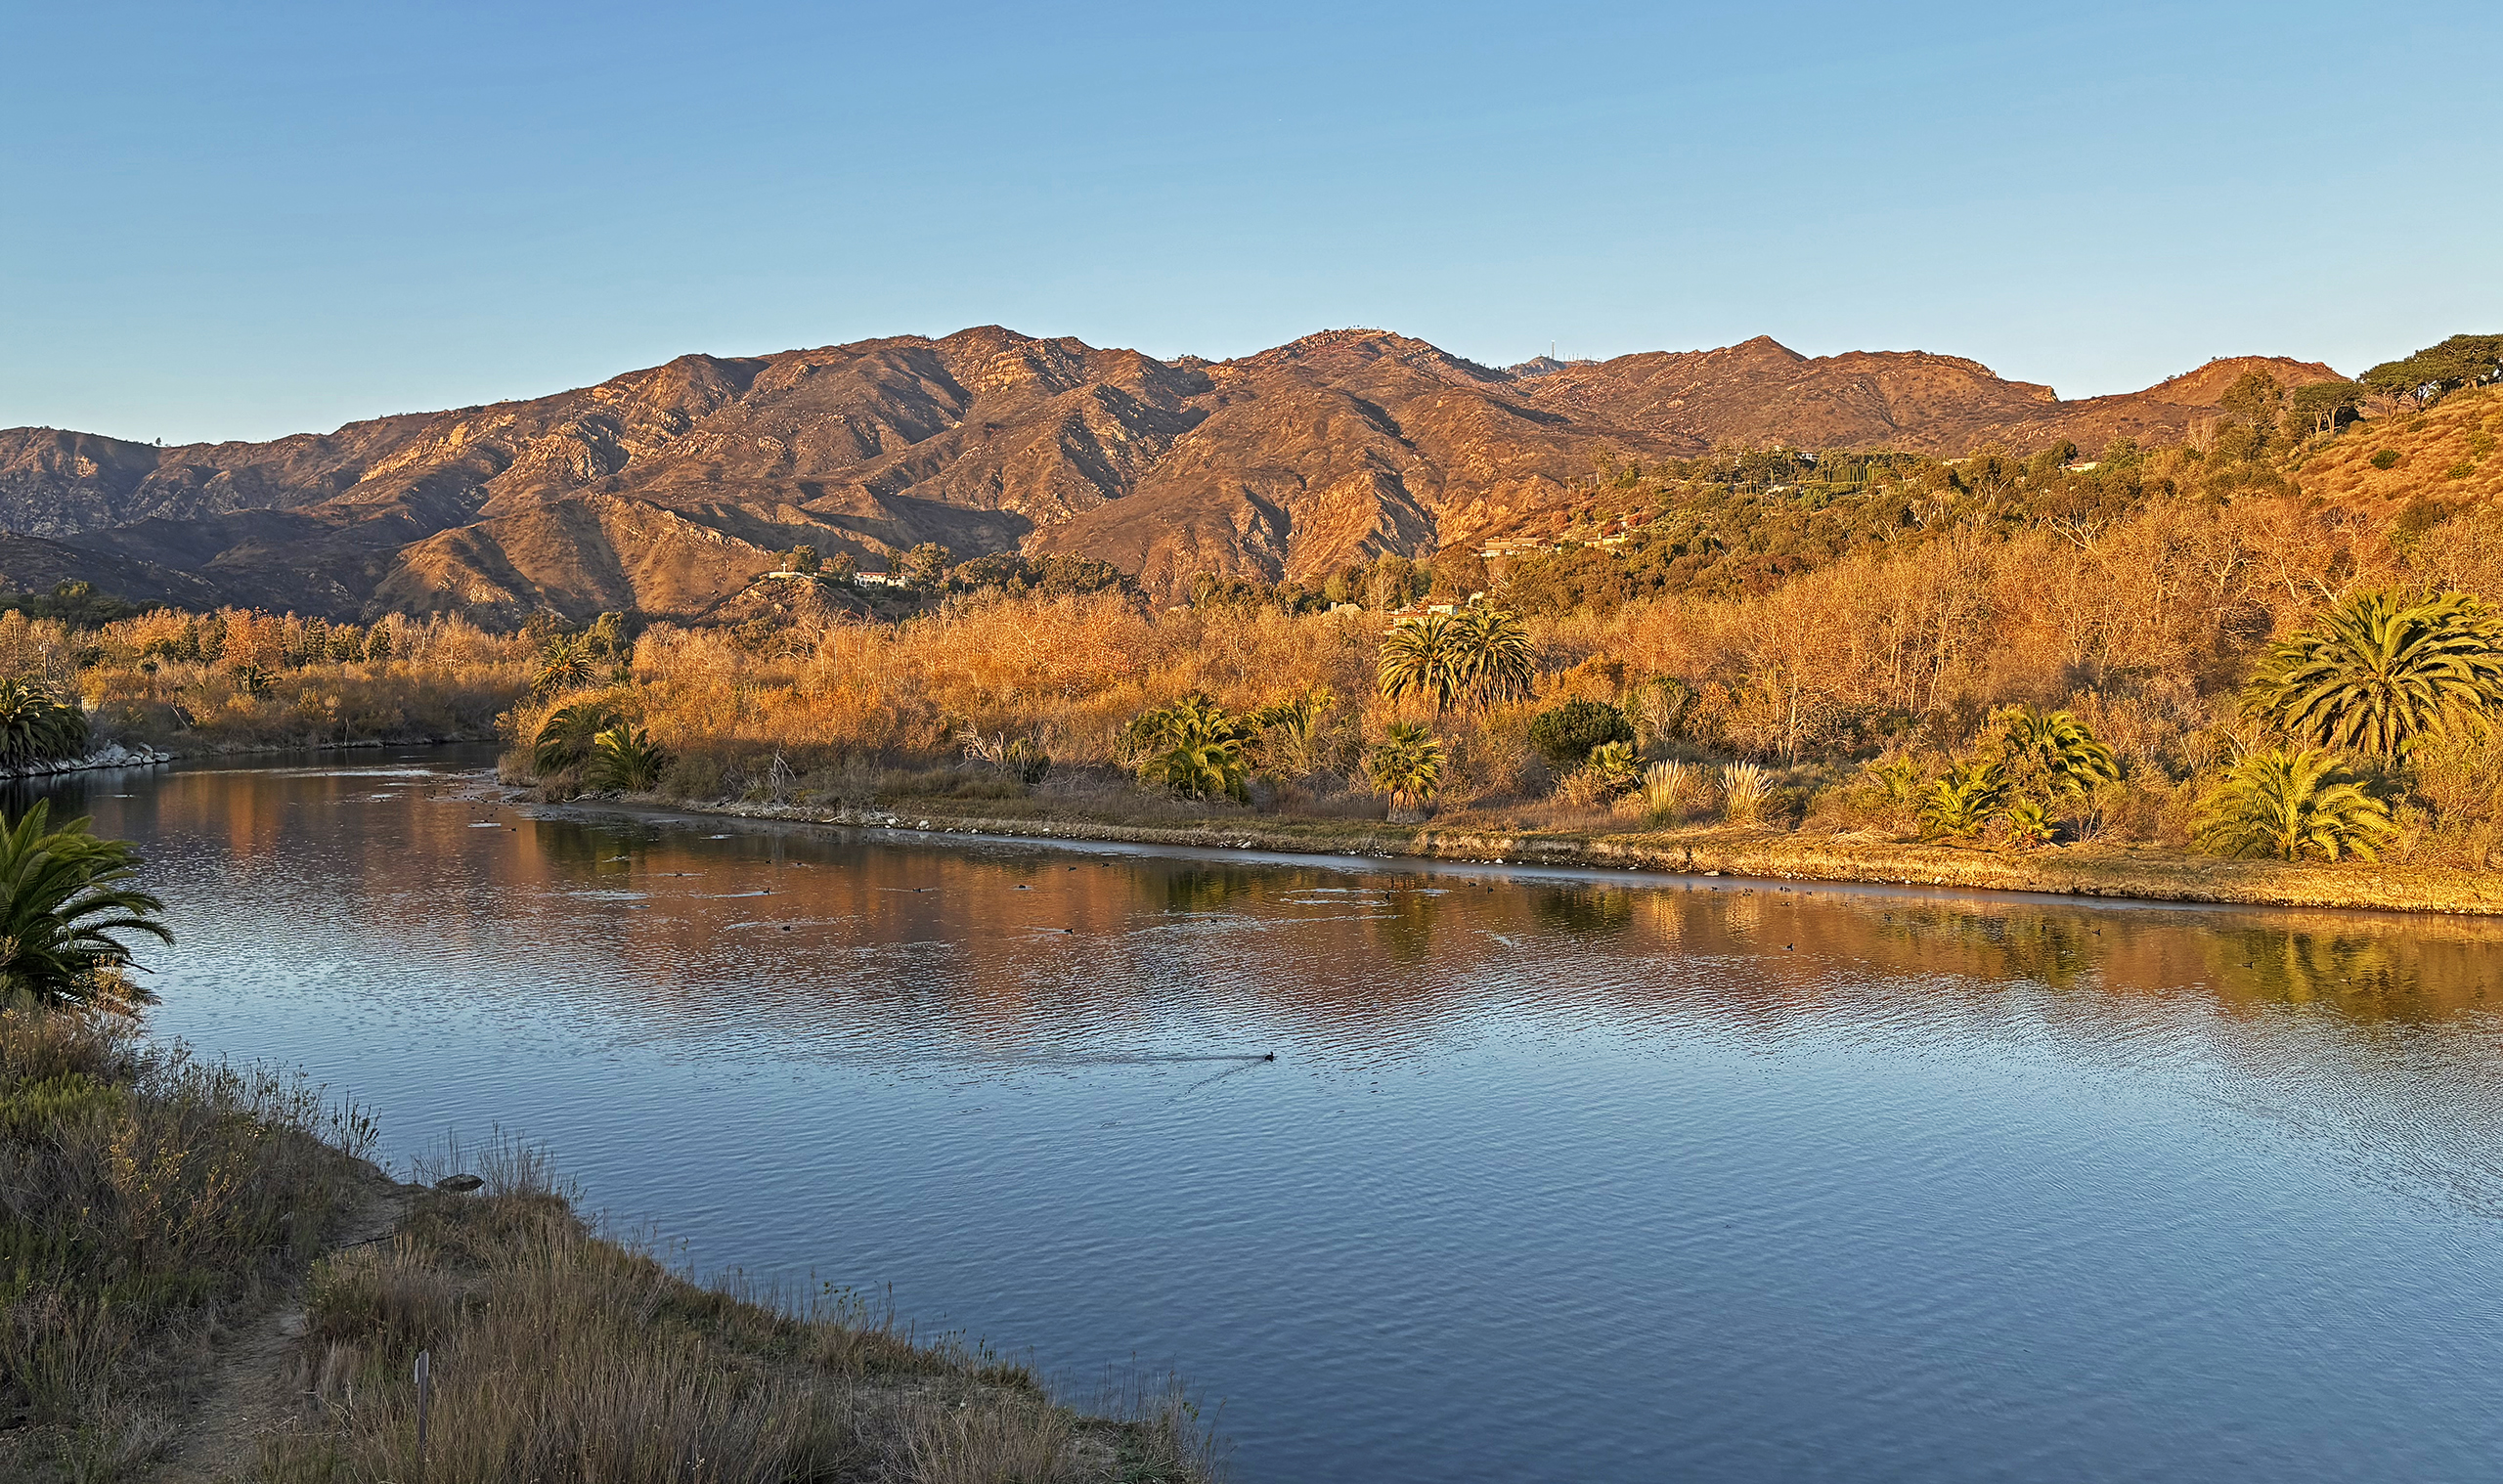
(1555, 1176)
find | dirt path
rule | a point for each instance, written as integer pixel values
(248, 1389)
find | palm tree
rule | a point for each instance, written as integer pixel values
(625, 758)
(1407, 765)
(2290, 804)
(1193, 746)
(1964, 800)
(63, 895)
(1478, 656)
(2380, 670)
(1491, 656)
(1291, 729)
(1416, 658)
(568, 734)
(34, 727)
(2057, 745)
(565, 664)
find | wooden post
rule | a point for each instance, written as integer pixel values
(425, 1398)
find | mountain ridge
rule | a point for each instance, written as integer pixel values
(666, 488)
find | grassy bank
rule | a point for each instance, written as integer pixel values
(561, 1355)
(205, 1279)
(2084, 870)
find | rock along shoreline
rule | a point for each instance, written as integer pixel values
(110, 754)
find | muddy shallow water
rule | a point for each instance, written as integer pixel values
(1554, 1175)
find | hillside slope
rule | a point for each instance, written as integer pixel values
(665, 489)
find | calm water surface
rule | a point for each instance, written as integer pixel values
(1554, 1177)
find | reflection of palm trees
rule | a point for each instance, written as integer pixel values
(1207, 890)
(1406, 927)
(1591, 911)
(2291, 967)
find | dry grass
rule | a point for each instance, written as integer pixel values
(273, 680)
(562, 1357)
(2446, 453)
(145, 1199)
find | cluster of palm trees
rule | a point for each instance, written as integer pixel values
(1193, 746)
(2355, 694)
(2037, 761)
(1477, 656)
(1200, 750)
(613, 753)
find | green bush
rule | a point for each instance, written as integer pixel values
(1565, 734)
(2387, 459)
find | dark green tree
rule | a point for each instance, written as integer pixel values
(1566, 734)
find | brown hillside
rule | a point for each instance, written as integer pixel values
(593, 554)
(2447, 455)
(667, 488)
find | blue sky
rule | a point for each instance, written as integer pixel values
(237, 221)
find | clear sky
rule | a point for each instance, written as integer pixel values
(234, 221)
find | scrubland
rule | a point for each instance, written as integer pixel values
(1809, 660)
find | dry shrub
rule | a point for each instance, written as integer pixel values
(1587, 788)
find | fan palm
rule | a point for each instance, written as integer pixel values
(64, 893)
(625, 758)
(2057, 746)
(2380, 670)
(1964, 800)
(566, 737)
(34, 727)
(1193, 746)
(2290, 804)
(1406, 765)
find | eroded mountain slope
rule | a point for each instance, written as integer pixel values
(665, 489)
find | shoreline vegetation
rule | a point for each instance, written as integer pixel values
(2264, 667)
(202, 1277)
(2109, 872)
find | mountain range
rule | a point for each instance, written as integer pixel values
(667, 490)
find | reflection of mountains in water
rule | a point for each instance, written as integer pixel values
(1446, 923)
(816, 942)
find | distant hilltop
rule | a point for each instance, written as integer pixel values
(667, 489)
